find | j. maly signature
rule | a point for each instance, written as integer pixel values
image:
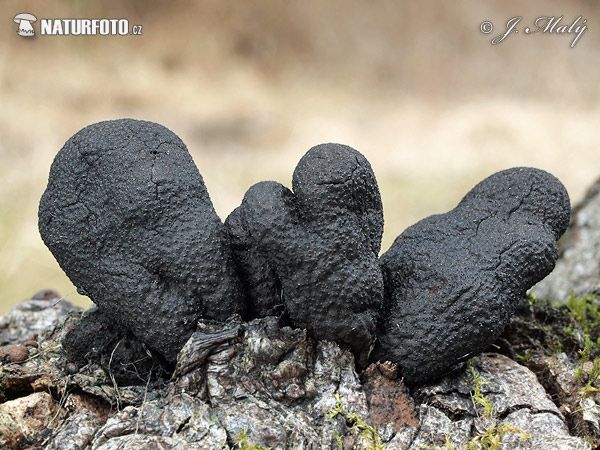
(546, 24)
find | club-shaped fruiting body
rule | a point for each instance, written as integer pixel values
(315, 249)
(453, 280)
(128, 218)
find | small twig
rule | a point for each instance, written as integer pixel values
(62, 298)
(112, 377)
(137, 425)
(61, 404)
(49, 349)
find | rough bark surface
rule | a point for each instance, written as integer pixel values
(577, 270)
(270, 383)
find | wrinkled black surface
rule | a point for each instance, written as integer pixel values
(453, 280)
(261, 282)
(321, 242)
(127, 216)
(94, 336)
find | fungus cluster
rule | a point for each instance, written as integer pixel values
(316, 249)
(128, 217)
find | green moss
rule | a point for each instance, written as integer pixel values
(490, 439)
(532, 300)
(478, 397)
(594, 376)
(585, 311)
(524, 359)
(339, 441)
(243, 444)
(571, 327)
(555, 348)
(358, 425)
(584, 356)
(448, 445)
(569, 331)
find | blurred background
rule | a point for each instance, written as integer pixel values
(250, 86)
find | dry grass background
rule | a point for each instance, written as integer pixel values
(250, 86)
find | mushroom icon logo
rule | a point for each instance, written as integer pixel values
(25, 20)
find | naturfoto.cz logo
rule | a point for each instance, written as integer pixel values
(75, 27)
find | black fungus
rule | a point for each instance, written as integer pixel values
(316, 249)
(453, 280)
(93, 336)
(128, 218)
